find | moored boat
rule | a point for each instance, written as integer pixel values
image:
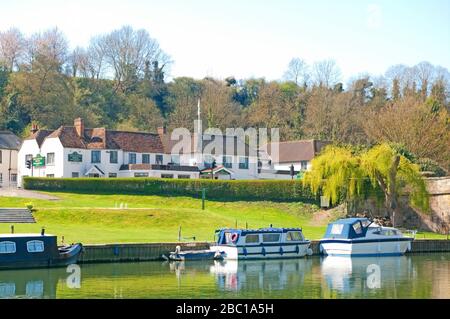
(186, 255)
(361, 237)
(35, 251)
(261, 243)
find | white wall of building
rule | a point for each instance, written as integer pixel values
(8, 168)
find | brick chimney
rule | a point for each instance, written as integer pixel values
(79, 126)
(162, 130)
(34, 128)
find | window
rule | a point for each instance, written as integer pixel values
(50, 175)
(112, 175)
(34, 288)
(75, 174)
(50, 158)
(35, 246)
(1, 178)
(251, 239)
(96, 157)
(271, 238)
(184, 176)
(0, 157)
(140, 174)
(159, 159)
(336, 229)
(166, 175)
(227, 162)
(243, 162)
(145, 158)
(132, 158)
(14, 178)
(113, 157)
(207, 161)
(7, 247)
(304, 165)
(357, 227)
(294, 236)
(175, 159)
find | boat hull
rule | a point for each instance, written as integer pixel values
(65, 258)
(195, 255)
(279, 251)
(363, 248)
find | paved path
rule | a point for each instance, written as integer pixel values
(15, 192)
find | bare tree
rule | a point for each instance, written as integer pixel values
(48, 50)
(326, 73)
(297, 72)
(126, 51)
(424, 72)
(12, 48)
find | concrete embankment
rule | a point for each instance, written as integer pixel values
(154, 251)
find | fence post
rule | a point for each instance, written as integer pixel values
(203, 198)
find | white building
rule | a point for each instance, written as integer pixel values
(76, 151)
(276, 159)
(9, 146)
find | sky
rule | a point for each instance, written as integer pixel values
(250, 38)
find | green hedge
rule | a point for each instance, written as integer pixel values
(275, 190)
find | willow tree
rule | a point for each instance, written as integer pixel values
(340, 172)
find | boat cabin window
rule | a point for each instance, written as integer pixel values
(271, 238)
(357, 227)
(251, 239)
(7, 247)
(35, 246)
(294, 236)
(336, 229)
(388, 232)
(365, 223)
(228, 238)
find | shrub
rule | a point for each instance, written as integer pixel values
(275, 190)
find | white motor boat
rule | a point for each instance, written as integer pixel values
(361, 237)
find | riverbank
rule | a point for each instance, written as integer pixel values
(107, 219)
(154, 251)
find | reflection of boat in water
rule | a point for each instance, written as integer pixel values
(361, 237)
(263, 243)
(30, 283)
(359, 274)
(277, 274)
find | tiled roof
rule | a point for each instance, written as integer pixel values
(101, 138)
(9, 141)
(296, 151)
(168, 144)
(39, 136)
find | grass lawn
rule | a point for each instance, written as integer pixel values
(95, 219)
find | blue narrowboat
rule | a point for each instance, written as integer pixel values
(35, 251)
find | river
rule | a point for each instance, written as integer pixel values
(413, 276)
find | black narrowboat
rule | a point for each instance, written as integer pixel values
(35, 251)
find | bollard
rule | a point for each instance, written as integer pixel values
(12, 229)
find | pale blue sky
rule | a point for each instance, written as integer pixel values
(250, 38)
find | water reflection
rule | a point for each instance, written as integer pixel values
(260, 274)
(360, 274)
(414, 276)
(34, 283)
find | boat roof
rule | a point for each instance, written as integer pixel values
(24, 235)
(350, 221)
(260, 230)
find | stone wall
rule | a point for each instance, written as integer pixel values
(437, 220)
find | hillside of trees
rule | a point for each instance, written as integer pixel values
(120, 81)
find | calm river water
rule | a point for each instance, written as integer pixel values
(415, 276)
